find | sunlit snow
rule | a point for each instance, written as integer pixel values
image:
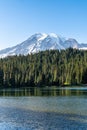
(41, 42)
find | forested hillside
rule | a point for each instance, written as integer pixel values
(65, 67)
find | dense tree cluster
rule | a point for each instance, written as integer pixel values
(65, 67)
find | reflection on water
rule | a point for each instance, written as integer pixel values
(43, 109)
(53, 91)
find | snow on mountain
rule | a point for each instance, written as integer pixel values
(41, 42)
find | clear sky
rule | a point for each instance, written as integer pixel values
(21, 18)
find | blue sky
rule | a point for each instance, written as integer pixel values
(21, 18)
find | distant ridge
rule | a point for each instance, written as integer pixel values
(41, 42)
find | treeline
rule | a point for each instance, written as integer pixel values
(65, 67)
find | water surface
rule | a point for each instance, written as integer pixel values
(43, 109)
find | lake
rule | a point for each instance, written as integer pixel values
(43, 108)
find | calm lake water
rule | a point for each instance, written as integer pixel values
(43, 109)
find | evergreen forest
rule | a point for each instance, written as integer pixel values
(46, 68)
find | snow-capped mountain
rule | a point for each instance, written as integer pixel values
(41, 42)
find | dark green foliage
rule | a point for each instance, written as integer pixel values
(65, 67)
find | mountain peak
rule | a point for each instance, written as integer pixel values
(41, 42)
(53, 35)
